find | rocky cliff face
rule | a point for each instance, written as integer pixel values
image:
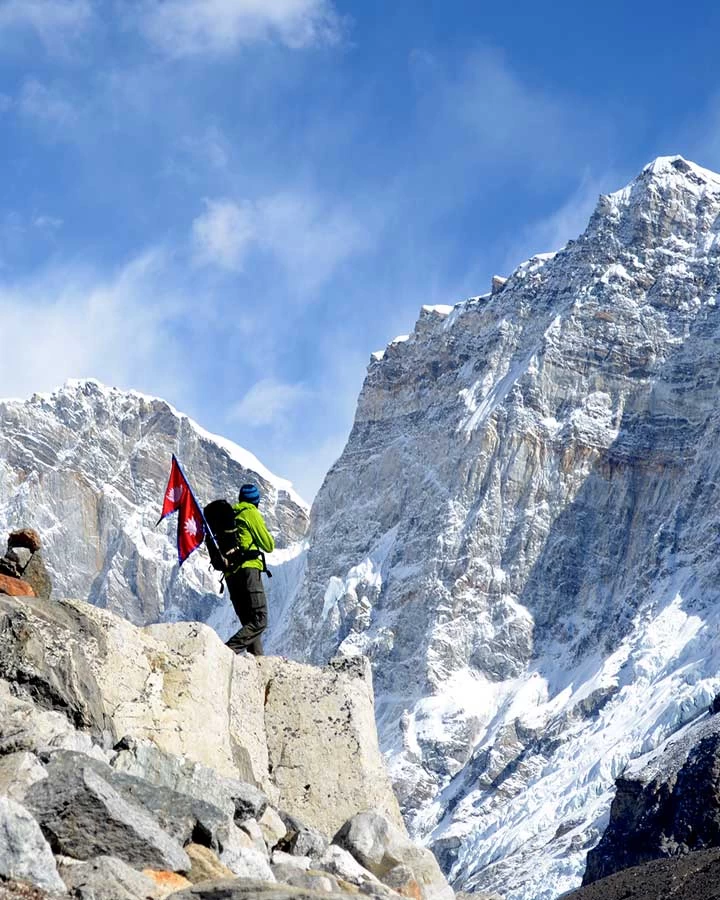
(87, 465)
(521, 534)
(135, 763)
(666, 804)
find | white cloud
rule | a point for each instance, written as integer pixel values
(57, 23)
(309, 237)
(216, 27)
(223, 234)
(47, 105)
(267, 401)
(69, 322)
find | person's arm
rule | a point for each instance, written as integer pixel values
(260, 535)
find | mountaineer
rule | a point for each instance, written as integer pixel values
(246, 563)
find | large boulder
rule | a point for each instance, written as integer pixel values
(178, 704)
(339, 771)
(85, 817)
(24, 853)
(386, 851)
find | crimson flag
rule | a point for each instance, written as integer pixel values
(179, 498)
(177, 487)
(190, 532)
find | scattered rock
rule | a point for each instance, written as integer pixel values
(252, 890)
(25, 855)
(15, 587)
(280, 858)
(254, 837)
(24, 537)
(85, 817)
(105, 878)
(166, 883)
(301, 839)
(144, 759)
(272, 827)
(379, 846)
(205, 865)
(17, 772)
(694, 876)
(247, 862)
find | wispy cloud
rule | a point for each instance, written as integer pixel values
(223, 234)
(71, 322)
(308, 236)
(57, 23)
(217, 27)
(267, 401)
(47, 105)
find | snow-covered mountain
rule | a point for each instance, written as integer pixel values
(87, 467)
(522, 533)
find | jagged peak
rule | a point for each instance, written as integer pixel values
(76, 388)
(679, 166)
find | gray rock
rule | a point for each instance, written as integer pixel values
(340, 771)
(144, 759)
(379, 846)
(105, 878)
(301, 839)
(306, 878)
(280, 858)
(342, 863)
(24, 853)
(247, 862)
(253, 833)
(244, 889)
(37, 576)
(84, 817)
(183, 817)
(17, 772)
(273, 828)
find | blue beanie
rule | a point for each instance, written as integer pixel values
(250, 493)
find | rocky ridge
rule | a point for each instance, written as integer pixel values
(86, 467)
(144, 763)
(521, 536)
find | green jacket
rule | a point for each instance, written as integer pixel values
(252, 533)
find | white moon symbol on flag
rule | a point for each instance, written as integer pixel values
(174, 494)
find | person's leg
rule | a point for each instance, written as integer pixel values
(248, 599)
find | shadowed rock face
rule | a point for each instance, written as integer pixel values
(667, 808)
(691, 877)
(521, 534)
(87, 467)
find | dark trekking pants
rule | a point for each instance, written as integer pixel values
(248, 599)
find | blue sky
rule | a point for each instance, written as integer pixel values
(231, 203)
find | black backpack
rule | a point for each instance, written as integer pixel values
(220, 517)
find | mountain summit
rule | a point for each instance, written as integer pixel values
(522, 535)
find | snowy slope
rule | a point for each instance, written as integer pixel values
(522, 535)
(87, 467)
